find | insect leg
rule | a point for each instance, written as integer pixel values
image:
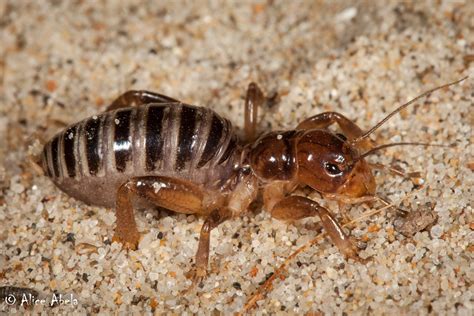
(298, 207)
(138, 98)
(214, 219)
(238, 201)
(253, 100)
(324, 120)
(175, 195)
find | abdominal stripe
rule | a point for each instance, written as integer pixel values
(69, 138)
(55, 156)
(46, 166)
(153, 136)
(186, 136)
(91, 133)
(213, 140)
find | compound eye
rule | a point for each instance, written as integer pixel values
(332, 169)
(341, 136)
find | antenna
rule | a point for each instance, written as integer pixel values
(424, 94)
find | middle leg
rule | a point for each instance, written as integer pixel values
(214, 219)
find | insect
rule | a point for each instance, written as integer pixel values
(188, 159)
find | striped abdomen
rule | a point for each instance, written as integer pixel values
(174, 140)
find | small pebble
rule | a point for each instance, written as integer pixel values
(436, 231)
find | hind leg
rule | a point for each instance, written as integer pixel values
(138, 98)
(173, 194)
(176, 195)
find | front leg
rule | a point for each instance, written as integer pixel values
(298, 207)
(324, 120)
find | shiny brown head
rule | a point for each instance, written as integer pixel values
(318, 158)
(328, 163)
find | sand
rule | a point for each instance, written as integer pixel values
(61, 61)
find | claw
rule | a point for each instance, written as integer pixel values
(197, 275)
(364, 261)
(130, 242)
(351, 252)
